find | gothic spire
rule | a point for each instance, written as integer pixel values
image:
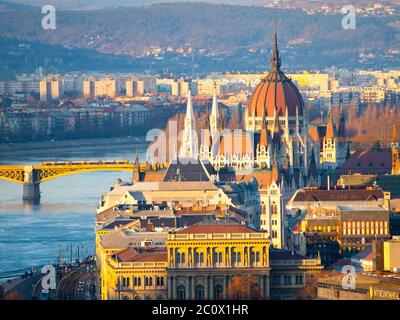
(342, 119)
(189, 141)
(330, 129)
(214, 113)
(275, 59)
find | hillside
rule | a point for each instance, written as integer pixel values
(313, 41)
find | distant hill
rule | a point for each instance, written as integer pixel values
(99, 4)
(313, 41)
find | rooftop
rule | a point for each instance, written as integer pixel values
(216, 226)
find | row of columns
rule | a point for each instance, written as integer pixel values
(209, 287)
(208, 257)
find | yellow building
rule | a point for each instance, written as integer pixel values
(89, 87)
(136, 274)
(206, 87)
(134, 87)
(203, 259)
(106, 87)
(391, 254)
(372, 95)
(198, 262)
(51, 88)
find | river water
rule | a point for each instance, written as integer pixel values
(33, 235)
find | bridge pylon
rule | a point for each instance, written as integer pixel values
(31, 192)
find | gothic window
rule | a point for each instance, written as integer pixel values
(274, 209)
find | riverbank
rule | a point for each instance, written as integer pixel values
(105, 144)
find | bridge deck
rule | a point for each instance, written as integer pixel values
(37, 173)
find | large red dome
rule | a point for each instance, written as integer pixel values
(275, 91)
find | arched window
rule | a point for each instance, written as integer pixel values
(274, 208)
(218, 292)
(183, 258)
(201, 257)
(178, 258)
(139, 281)
(137, 297)
(160, 297)
(181, 292)
(239, 257)
(125, 298)
(257, 257)
(199, 292)
(148, 297)
(128, 282)
(220, 257)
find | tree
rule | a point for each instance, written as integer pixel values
(14, 295)
(244, 288)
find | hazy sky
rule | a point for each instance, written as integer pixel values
(83, 4)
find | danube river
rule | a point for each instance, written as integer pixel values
(64, 221)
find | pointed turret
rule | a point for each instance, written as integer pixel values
(275, 169)
(330, 128)
(214, 113)
(264, 133)
(189, 148)
(275, 59)
(276, 138)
